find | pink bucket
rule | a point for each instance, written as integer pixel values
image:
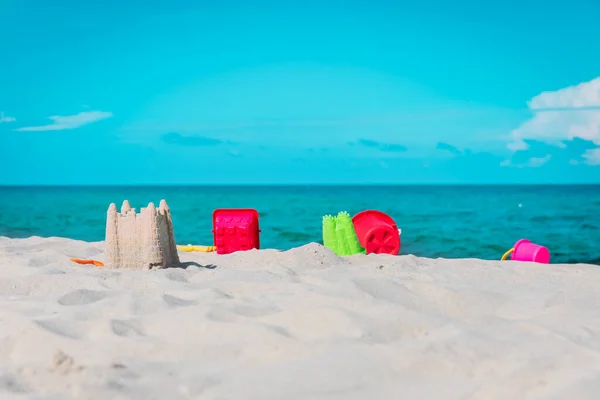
(524, 250)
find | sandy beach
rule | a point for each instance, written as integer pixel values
(298, 324)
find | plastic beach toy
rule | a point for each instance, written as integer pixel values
(339, 235)
(190, 248)
(524, 250)
(90, 262)
(235, 229)
(377, 232)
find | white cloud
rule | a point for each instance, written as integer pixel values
(538, 161)
(565, 114)
(60, 123)
(592, 156)
(4, 118)
(533, 162)
(585, 94)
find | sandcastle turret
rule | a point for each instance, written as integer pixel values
(140, 241)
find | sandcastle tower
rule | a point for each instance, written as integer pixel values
(140, 241)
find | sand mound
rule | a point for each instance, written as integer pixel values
(297, 324)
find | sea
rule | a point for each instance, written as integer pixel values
(445, 221)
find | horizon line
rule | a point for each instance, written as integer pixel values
(155, 185)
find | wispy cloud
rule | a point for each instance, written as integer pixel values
(189, 140)
(381, 146)
(538, 161)
(392, 148)
(570, 152)
(565, 114)
(60, 123)
(6, 118)
(448, 147)
(366, 143)
(592, 156)
(533, 162)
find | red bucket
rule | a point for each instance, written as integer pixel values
(377, 232)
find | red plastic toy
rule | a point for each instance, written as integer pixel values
(377, 232)
(235, 229)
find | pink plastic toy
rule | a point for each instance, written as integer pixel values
(377, 232)
(235, 229)
(524, 250)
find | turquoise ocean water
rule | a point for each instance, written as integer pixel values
(436, 221)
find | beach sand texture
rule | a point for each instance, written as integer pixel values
(299, 324)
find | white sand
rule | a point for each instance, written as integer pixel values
(301, 324)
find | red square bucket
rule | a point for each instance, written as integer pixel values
(235, 229)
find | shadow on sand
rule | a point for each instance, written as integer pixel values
(184, 265)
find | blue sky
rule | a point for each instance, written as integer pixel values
(176, 92)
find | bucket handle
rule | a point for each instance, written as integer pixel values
(507, 253)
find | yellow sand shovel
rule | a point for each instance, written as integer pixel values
(192, 248)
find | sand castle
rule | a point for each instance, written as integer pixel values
(140, 241)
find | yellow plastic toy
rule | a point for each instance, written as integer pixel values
(507, 254)
(192, 248)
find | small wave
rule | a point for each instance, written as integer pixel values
(295, 236)
(21, 232)
(423, 238)
(540, 218)
(593, 261)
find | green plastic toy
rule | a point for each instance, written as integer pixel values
(339, 235)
